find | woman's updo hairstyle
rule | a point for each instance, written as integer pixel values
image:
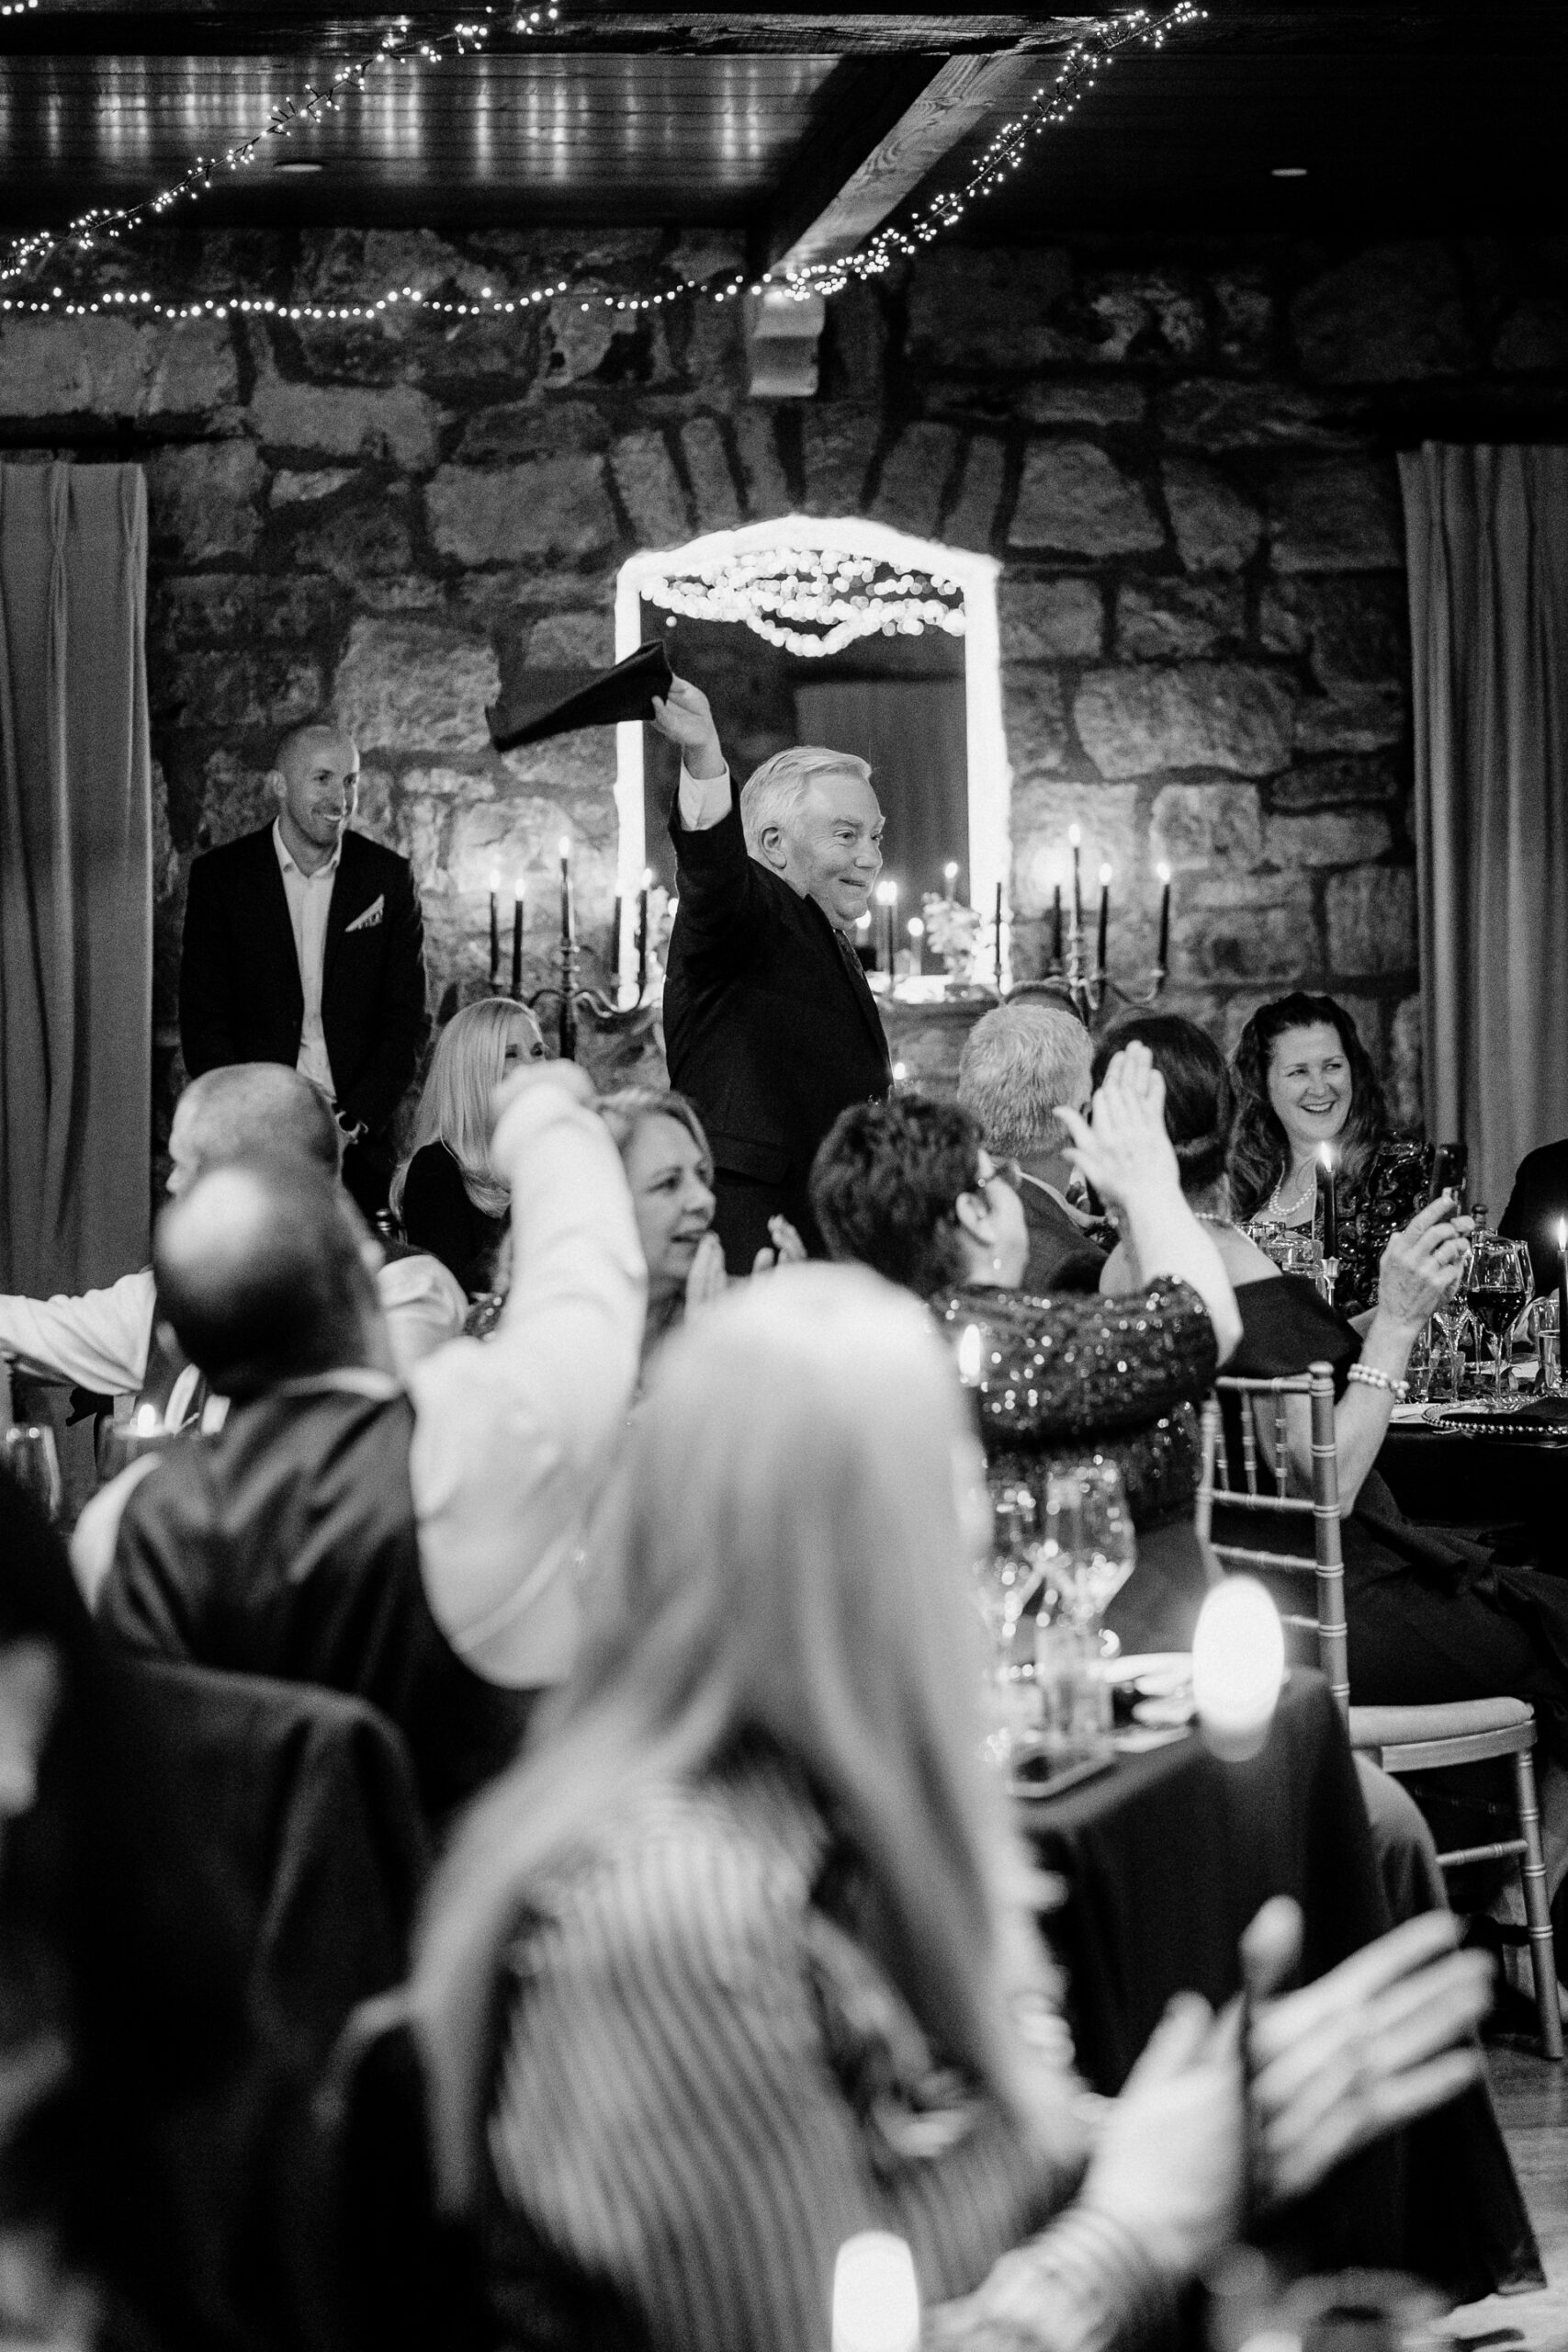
(1199, 1102)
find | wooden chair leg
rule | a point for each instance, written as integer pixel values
(1543, 1953)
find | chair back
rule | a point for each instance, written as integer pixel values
(1263, 1491)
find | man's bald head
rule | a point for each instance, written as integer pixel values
(249, 1110)
(259, 1272)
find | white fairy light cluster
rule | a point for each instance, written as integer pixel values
(102, 225)
(812, 601)
(400, 46)
(1050, 105)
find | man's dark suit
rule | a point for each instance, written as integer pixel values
(769, 1027)
(1538, 1199)
(240, 998)
(1062, 1255)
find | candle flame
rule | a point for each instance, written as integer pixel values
(1238, 1664)
(862, 922)
(885, 893)
(916, 928)
(146, 1422)
(495, 881)
(1563, 1233)
(1164, 873)
(517, 890)
(969, 1354)
(1075, 834)
(1104, 876)
(565, 847)
(648, 878)
(949, 871)
(1326, 1155)
(877, 2300)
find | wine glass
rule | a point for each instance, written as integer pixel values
(1007, 1572)
(1495, 1286)
(1091, 1549)
(29, 1455)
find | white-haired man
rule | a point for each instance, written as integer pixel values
(1020, 1065)
(769, 1025)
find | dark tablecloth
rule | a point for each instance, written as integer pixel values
(1485, 1481)
(1166, 1859)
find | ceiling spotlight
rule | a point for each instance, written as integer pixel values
(299, 167)
(1289, 171)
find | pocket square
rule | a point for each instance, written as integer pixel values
(370, 917)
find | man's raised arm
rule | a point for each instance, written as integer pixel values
(714, 877)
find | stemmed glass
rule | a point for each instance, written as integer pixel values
(1008, 1573)
(28, 1452)
(1495, 1286)
(1091, 1550)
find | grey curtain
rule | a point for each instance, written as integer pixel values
(76, 876)
(1487, 534)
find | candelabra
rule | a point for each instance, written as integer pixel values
(1091, 988)
(601, 1008)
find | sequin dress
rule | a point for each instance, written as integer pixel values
(1068, 1378)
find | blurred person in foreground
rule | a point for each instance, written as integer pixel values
(446, 1194)
(756, 1921)
(669, 1170)
(1019, 1066)
(908, 1187)
(417, 1549)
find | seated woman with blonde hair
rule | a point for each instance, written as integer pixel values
(669, 1169)
(448, 1197)
(751, 1917)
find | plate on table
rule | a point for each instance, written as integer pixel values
(1153, 1674)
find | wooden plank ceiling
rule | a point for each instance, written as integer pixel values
(782, 119)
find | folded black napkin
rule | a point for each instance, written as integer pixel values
(558, 702)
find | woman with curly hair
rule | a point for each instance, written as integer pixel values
(448, 1197)
(1303, 1078)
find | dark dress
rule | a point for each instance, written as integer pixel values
(438, 1216)
(1067, 1378)
(1431, 1617)
(1370, 1213)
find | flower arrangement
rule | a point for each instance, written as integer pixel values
(957, 934)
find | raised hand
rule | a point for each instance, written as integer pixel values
(706, 1279)
(1168, 2165)
(788, 1249)
(682, 717)
(1422, 1264)
(1122, 1147)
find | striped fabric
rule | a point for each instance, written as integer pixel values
(692, 2113)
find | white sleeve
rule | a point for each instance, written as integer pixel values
(703, 800)
(100, 1341)
(510, 1433)
(423, 1303)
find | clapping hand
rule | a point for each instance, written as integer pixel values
(788, 1249)
(1422, 1263)
(684, 718)
(1123, 1144)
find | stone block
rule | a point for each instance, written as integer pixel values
(581, 641)
(239, 689)
(394, 422)
(203, 499)
(854, 352)
(194, 370)
(714, 492)
(1082, 399)
(838, 443)
(72, 366)
(450, 784)
(405, 685)
(233, 798)
(1034, 720)
(1202, 826)
(1050, 620)
(972, 522)
(1218, 413)
(555, 507)
(239, 608)
(1245, 305)
(650, 490)
(978, 310)
(1074, 497)
(1201, 714)
(579, 334)
(1353, 718)
(1107, 816)
(1405, 1103)
(1337, 515)
(292, 489)
(1371, 920)
(365, 543)
(1338, 783)
(762, 474)
(1333, 837)
(1144, 315)
(1216, 528)
(1244, 927)
(1355, 629)
(915, 474)
(1392, 315)
(518, 429)
(1156, 619)
(1533, 338)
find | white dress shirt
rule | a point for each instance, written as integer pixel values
(703, 800)
(310, 895)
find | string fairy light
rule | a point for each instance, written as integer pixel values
(1004, 155)
(812, 601)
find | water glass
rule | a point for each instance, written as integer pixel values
(1542, 1325)
(1072, 1694)
(1090, 1549)
(30, 1457)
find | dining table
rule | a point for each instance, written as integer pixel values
(1162, 1860)
(1502, 1478)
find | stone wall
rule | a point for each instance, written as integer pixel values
(1184, 457)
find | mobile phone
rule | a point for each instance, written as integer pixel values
(1450, 1174)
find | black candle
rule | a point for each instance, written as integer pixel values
(1104, 918)
(1162, 954)
(566, 926)
(517, 937)
(494, 933)
(642, 930)
(1328, 1202)
(998, 934)
(1056, 925)
(1076, 837)
(615, 950)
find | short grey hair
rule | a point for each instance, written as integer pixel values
(1019, 1064)
(772, 792)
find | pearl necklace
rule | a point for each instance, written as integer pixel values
(1278, 1207)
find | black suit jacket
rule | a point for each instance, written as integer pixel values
(1538, 1198)
(241, 1000)
(1061, 1254)
(766, 1027)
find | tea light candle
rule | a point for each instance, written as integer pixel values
(1238, 1667)
(876, 2301)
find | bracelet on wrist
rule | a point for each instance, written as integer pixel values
(1398, 1389)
